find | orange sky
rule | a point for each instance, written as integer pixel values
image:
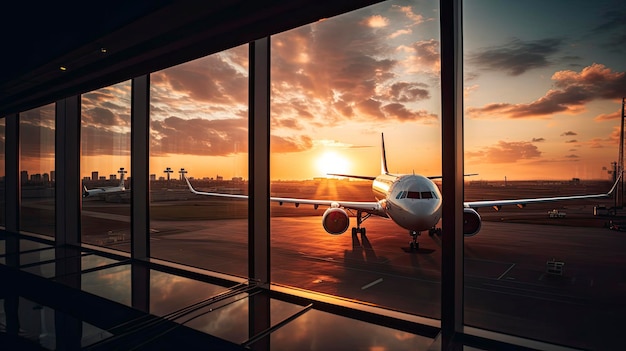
(541, 102)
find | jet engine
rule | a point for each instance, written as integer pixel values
(335, 221)
(471, 222)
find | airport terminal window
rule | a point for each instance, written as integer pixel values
(337, 84)
(105, 166)
(37, 175)
(544, 84)
(199, 130)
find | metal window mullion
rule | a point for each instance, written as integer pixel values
(12, 171)
(67, 171)
(258, 162)
(452, 170)
(139, 146)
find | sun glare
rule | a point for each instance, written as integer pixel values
(330, 162)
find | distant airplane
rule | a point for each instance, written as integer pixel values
(106, 190)
(412, 201)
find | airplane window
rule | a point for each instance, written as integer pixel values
(427, 195)
(434, 195)
(413, 195)
(400, 195)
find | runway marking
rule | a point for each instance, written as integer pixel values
(507, 271)
(379, 280)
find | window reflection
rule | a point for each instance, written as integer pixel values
(542, 118)
(105, 166)
(199, 130)
(37, 175)
(336, 86)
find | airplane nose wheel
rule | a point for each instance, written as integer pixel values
(413, 244)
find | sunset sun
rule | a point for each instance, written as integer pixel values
(332, 163)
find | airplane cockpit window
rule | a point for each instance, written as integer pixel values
(427, 195)
(413, 194)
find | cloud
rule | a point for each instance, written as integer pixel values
(424, 56)
(538, 140)
(408, 12)
(98, 141)
(506, 152)
(197, 136)
(280, 144)
(376, 21)
(571, 141)
(573, 90)
(517, 56)
(572, 156)
(103, 117)
(568, 133)
(608, 116)
(215, 79)
(328, 72)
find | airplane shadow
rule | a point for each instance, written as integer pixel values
(418, 251)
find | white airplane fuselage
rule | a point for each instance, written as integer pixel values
(411, 201)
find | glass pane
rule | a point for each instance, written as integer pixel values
(105, 166)
(543, 106)
(37, 149)
(337, 85)
(199, 129)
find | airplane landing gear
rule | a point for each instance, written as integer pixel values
(434, 231)
(359, 220)
(413, 244)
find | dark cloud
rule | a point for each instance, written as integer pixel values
(212, 79)
(197, 136)
(568, 133)
(98, 141)
(408, 92)
(614, 28)
(517, 56)
(506, 152)
(571, 141)
(572, 91)
(538, 140)
(37, 132)
(572, 156)
(401, 113)
(104, 117)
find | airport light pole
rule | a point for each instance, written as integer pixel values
(182, 173)
(168, 170)
(121, 171)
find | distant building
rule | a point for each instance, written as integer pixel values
(94, 175)
(161, 178)
(24, 177)
(237, 179)
(219, 178)
(102, 178)
(53, 176)
(35, 177)
(112, 176)
(152, 177)
(46, 178)
(86, 178)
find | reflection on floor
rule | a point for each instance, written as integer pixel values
(72, 298)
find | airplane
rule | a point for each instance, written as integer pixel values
(106, 190)
(412, 201)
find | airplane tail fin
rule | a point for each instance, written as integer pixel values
(383, 157)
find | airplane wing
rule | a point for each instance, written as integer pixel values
(364, 206)
(497, 204)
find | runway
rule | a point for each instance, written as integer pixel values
(507, 288)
